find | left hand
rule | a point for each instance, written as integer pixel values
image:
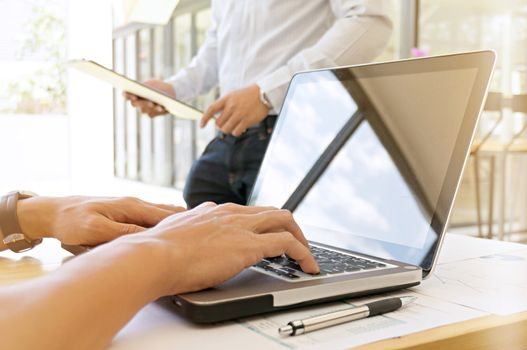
(239, 109)
(88, 220)
(149, 107)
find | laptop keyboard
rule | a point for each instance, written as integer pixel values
(331, 263)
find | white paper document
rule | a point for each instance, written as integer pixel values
(459, 248)
(495, 283)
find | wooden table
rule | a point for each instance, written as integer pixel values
(485, 333)
(489, 332)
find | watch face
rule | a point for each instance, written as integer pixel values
(18, 242)
(14, 237)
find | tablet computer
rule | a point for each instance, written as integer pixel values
(177, 108)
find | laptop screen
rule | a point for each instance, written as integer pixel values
(389, 188)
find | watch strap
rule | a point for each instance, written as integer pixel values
(13, 237)
(8, 217)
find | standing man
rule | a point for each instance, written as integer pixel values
(251, 51)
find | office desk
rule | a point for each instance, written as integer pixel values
(488, 332)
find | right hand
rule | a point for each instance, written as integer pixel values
(147, 106)
(211, 243)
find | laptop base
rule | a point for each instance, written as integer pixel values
(233, 309)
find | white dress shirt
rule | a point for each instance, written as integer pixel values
(267, 41)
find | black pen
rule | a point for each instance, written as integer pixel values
(334, 318)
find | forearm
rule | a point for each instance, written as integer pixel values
(201, 75)
(355, 37)
(85, 303)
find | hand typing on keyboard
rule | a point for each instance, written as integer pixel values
(330, 262)
(222, 240)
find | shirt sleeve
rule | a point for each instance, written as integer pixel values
(359, 34)
(201, 74)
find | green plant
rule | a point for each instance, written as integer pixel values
(43, 90)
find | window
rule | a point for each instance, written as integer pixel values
(448, 27)
(455, 26)
(159, 150)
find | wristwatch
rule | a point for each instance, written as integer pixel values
(265, 100)
(10, 230)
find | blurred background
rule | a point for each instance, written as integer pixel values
(63, 132)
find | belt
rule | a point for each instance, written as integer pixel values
(265, 125)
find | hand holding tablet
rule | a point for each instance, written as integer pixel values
(147, 96)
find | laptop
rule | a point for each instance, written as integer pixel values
(369, 159)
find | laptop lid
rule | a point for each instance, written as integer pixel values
(398, 135)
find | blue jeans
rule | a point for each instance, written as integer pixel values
(227, 169)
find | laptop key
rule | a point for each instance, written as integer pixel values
(289, 270)
(330, 263)
(295, 267)
(352, 269)
(287, 273)
(325, 266)
(281, 273)
(280, 260)
(270, 269)
(263, 263)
